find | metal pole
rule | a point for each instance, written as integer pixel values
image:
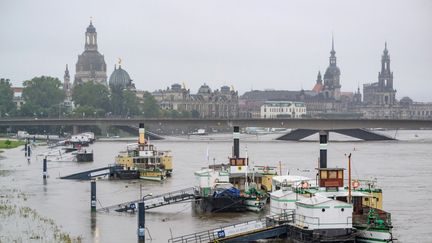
(25, 147)
(349, 178)
(236, 136)
(93, 196)
(141, 222)
(45, 168)
(28, 152)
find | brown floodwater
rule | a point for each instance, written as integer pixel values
(403, 169)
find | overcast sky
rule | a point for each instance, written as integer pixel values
(244, 43)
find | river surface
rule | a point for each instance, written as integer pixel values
(403, 169)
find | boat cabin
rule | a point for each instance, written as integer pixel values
(331, 178)
(321, 213)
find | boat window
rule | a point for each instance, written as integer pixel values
(323, 210)
(333, 174)
(323, 175)
(340, 174)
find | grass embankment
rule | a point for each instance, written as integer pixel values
(7, 144)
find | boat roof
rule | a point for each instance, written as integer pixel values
(315, 200)
(290, 178)
(281, 193)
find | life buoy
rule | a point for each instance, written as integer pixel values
(305, 185)
(355, 184)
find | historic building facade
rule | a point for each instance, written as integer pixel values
(283, 109)
(205, 103)
(91, 64)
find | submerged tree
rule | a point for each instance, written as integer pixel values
(93, 95)
(42, 96)
(7, 106)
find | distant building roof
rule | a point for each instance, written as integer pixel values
(317, 88)
(271, 95)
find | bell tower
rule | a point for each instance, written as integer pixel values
(385, 77)
(91, 38)
(385, 81)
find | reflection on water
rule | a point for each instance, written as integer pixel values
(401, 167)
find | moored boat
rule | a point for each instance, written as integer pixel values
(145, 159)
(361, 198)
(252, 182)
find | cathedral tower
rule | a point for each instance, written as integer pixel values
(385, 80)
(91, 64)
(332, 77)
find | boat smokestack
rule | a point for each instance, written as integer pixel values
(141, 131)
(323, 138)
(236, 136)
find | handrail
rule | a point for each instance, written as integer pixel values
(220, 232)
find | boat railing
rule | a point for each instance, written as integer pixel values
(237, 229)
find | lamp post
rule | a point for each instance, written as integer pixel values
(141, 219)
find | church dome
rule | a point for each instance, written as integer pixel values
(204, 89)
(120, 79)
(332, 72)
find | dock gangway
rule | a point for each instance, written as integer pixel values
(264, 228)
(153, 201)
(91, 174)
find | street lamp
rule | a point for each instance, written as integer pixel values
(141, 218)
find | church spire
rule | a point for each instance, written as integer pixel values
(332, 50)
(66, 75)
(332, 58)
(319, 78)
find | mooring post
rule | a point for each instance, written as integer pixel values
(25, 147)
(141, 222)
(45, 173)
(28, 153)
(93, 195)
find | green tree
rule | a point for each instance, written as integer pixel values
(124, 102)
(88, 111)
(92, 94)
(150, 106)
(7, 106)
(131, 103)
(42, 95)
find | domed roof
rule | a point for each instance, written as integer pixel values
(332, 72)
(204, 89)
(120, 78)
(406, 100)
(91, 28)
(91, 60)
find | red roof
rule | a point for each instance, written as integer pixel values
(317, 88)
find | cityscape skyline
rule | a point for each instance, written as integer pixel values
(266, 53)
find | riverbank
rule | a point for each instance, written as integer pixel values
(31, 226)
(8, 144)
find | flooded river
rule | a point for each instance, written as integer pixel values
(403, 169)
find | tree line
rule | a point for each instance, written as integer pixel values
(44, 97)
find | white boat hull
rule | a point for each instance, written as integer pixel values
(373, 236)
(254, 205)
(153, 178)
